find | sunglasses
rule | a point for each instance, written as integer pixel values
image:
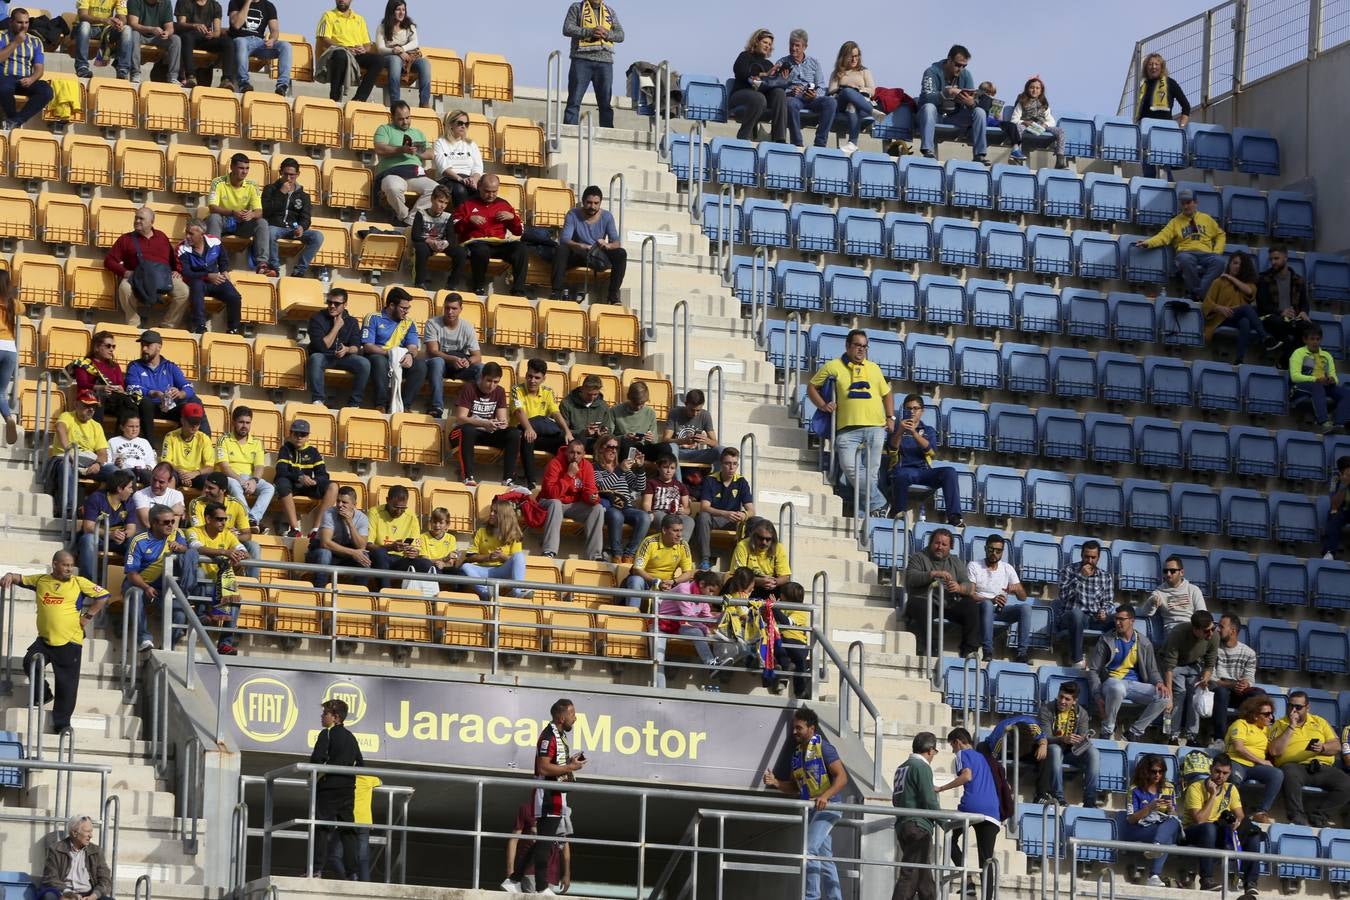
(994, 550)
(459, 122)
(1171, 571)
(1270, 713)
(335, 302)
(1157, 771)
(610, 447)
(220, 519)
(1124, 618)
(1298, 706)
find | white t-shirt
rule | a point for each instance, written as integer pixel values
(143, 499)
(461, 157)
(131, 454)
(989, 583)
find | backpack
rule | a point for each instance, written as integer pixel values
(1195, 765)
(1007, 804)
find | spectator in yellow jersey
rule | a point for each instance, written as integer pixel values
(1305, 748)
(1313, 374)
(66, 603)
(92, 19)
(214, 488)
(81, 430)
(496, 550)
(344, 53)
(220, 554)
(765, 555)
(21, 66)
(864, 413)
(663, 562)
(240, 456)
(144, 568)
(439, 546)
(396, 536)
(235, 202)
(534, 409)
(189, 450)
(1211, 815)
(1198, 241)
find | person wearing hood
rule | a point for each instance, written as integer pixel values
(1174, 600)
(584, 409)
(206, 270)
(913, 789)
(286, 208)
(569, 492)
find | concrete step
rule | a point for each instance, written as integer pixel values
(22, 500)
(88, 725)
(137, 805)
(23, 851)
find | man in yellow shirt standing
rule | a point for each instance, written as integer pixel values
(235, 202)
(1304, 746)
(66, 603)
(663, 561)
(83, 430)
(1198, 241)
(341, 39)
(864, 413)
(395, 537)
(188, 450)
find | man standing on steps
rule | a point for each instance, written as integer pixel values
(913, 789)
(594, 29)
(814, 772)
(335, 798)
(553, 761)
(66, 603)
(864, 411)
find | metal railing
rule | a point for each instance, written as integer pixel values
(661, 110)
(717, 399)
(585, 151)
(193, 793)
(42, 441)
(725, 244)
(749, 448)
(622, 195)
(932, 653)
(820, 596)
(848, 682)
(679, 348)
(553, 103)
(759, 297)
(787, 526)
(110, 834)
(103, 540)
(143, 888)
(697, 161)
(36, 721)
(794, 360)
(864, 473)
(647, 289)
(62, 806)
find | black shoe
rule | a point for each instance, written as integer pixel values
(928, 154)
(1317, 820)
(47, 695)
(245, 88)
(282, 90)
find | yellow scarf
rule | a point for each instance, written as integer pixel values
(589, 22)
(396, 336)
(1161, 100)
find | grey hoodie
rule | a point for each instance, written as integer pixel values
(1177, 603)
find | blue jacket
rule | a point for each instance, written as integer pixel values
(141, 379)
(934, 80)
(908, 453)
(212, 261)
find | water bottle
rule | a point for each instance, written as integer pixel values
(1167, 720)
(566, 295)
(362, 217)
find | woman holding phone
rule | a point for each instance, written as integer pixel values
(911, 448)
(1152, 816)
(853, 86)
(1246, 742)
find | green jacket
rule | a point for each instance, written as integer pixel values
(913, 789)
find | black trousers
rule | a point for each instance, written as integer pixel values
(465, 437)
(370, 66)
(422, 252)
(380, 558)
(962, 612)
(986, 833)
(336, 805)
(547, 827)
(548, 438)
(754, 104)
(191, 40)
(565, 258)
(65, 663)
(795, 658)
(1335, 785)
(511, 252)
(916, 846)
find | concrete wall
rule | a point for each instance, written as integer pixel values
(1307, 107)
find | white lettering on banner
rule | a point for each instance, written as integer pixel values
(664, 238)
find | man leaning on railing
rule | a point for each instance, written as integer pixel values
(814, 773)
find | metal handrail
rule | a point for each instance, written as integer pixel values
(679, 347)
(194, 788)
(622, 194)
(787, 526)
(821, 578)
(553, 101)
(647, 305)
(1052, 819)
(37, 711)
(60, 811)
(933, 655)
(661, 110)
(238, 847)
(846, 677)
(845, 694)
(749, 448)
(718, 399)
(1107, 878)
(970, 694)
(897, 570)
(144, 880)
(133, 603)
(65, 752)
(725, 245)
(159, 720)
(793, 359)
(696, 163)
(862, 487)
(586, 145)
(195, 631)
(112, 812)
(759, 302)
(42, 441)
(103, 540)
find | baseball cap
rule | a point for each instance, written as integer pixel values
(219, 479)
(1185, 195)
(151, 337)
(193, 412)
(300, 426)
(88, 398)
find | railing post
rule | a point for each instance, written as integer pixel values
(787, 526)
(792, 361)
(37, 712)
(585, 150)
(696, 163)
(1205, 54)
(717, 399)
(661, 102)
(7, 625)
(759, 303)
(1314, 28)
(553, 101)
(679, 347)
(646, 300)
(622, 194)
(821, 578)
(1240, 46)
(112, 812)
(726, 231)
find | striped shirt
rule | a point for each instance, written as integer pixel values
(627, 485)
(21, 62)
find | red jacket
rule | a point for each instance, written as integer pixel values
(467, 231)
(121, 257)
(558, 485)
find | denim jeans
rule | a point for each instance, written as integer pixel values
(615, 519)
(1319, 394)
(822, 878)
(513, 569)
(39, 94)
(1116, 691)
(1269, 777)
(702, 647)
(1052, 769)
(86, 553)
(1164, 833)
(84, 32)
(822, 106)
(436, 368)
(846, 452)
(1215, 836)
(9, 363)
(1183, 696)
(261, 501)
(1013, 610)
(1071, 623)
(129, 55)
(393, 64)
(225, 292)
(855, 107)
(1198, 270)
(244, 47)
(413, 376)
(310, 240)
(185, 567)
(1247, 323)
(357, 365)
(1331, 532)
(582, 74)
(963, 118)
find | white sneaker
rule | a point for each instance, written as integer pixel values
(547, 892)
(147, 645)
(1156, 881)
(1324, 555)
(511, 887)
(849, 147)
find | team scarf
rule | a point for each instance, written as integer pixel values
(1162, 100)
(808, 768)
(590, 21)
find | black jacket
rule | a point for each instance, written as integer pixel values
(292, 462)
(317, 329)
(1268, 293)
(337, 746)
(285, 210)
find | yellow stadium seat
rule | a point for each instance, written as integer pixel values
(570, 629)
(585, 573)
(111, 220)
(301, 594)
(481, 133)
(181, 347)
(217, 414)
(252, 614)
(520, 142)
(379, 490)
(322, 424)
(28, 405)
(164, 107)
(114, 103)
(359, 121)
(609, 382)
(487, 490)
(62, 219)
(512, 321)
(258, 297)
(34, 155)
(347, 479)
(364, 433)
(228, 359)
(512, 190)
(309, 171)
(215, 112)
(336, 251)
(555, 379)
(362, 299)
(658, 386)
(91, 286)
(519, 628)
(299, 298)
(259, 168)
(490, 76)
(17, 215)
(266, 422)
(549, 201)
(355, 617)
(128, 341)
(172, 219)
(38, 278)
(191, 169)
(447, 71)
(302, 58)
(461, 621)
(508, 372)
(614, 330)
(52, 112)
(426, 121)
(542, 570)
(378, 253)
(64, 341)
(456, 499)
(417, 439)
(402, 622)
(140, 165)
(624, 627)
(88, 160)
(346, 185)
(28, 341)
(267, 117)
(281, 364)
(564, 325)
(318, 122)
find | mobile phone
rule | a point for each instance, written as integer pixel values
(1312, 743)
(581, 757)
(632, 453)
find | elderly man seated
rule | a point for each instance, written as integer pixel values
(74, 866)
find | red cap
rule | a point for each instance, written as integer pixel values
(88, 398)
(193, 411)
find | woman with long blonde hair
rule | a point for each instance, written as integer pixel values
(1158, 92)
(852, 85)
(496, 550)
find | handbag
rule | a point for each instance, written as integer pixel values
(597, 259)
(150, 279)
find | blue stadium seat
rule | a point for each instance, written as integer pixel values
(1326, 648)
(1168, 381)
(1051, 677)
(1073, 373)
(861, 233)
(969, 184)
(1136, 749)
(978, 365)
(1015, 189)
(1195, 561)
(1245, 514)
(1328, 276)
(705, 98)
(1110, 438)
(887, 542)
(963, 424)
(1330, 580)
(1294, 518)
(1275, 643)
(1255, 151)
(828, 172)
(814, 228)
(1181, 322)
(1264, 389)
(1158, 442)
(1163, 143)
(1211, 147)
(1333, 336)
(1080, 135)
(1026, 368)
(1294, 840)
(930, 359)
(895, 295)
(1037, 308)
(717, 217)
(1086, 313)
(1091, 824)
(1037, 558)
(1013, 428)
(849, 291)
(680, 161)
(733, 161)
(17, 886)
(1037, 829)
(1245, 211)
(963, 686)
(1122, 377)
(744, 280)
(1236, 577)
(1051, 250)
(1012, 688)
(1099, 500)
(989, 303)
(1144, 265)
(898, 125)
(1138, 567)
(1096, 254)
(923, 181)
(1292, 215)
(1284, 581)
(1132, 317)
(766, 223)
(1004, 246)
(876, 176)
(1108, 198)
(942, 300)
(910, 236)
(1154, 200)
(1062, 195)
(1117, 139)
(1206, 447)
(1208, 198)
(782, 167)
(779, 346)
(957, 240)
(1254, 451)
(1112, 776)
(1336, 845)
(1061, 433)
(887, 350)
(1002, 491)
(1148, 505)
(1216, 386)
(800, 286)
(826, 342)
(1196, 507)
(1302, 456)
